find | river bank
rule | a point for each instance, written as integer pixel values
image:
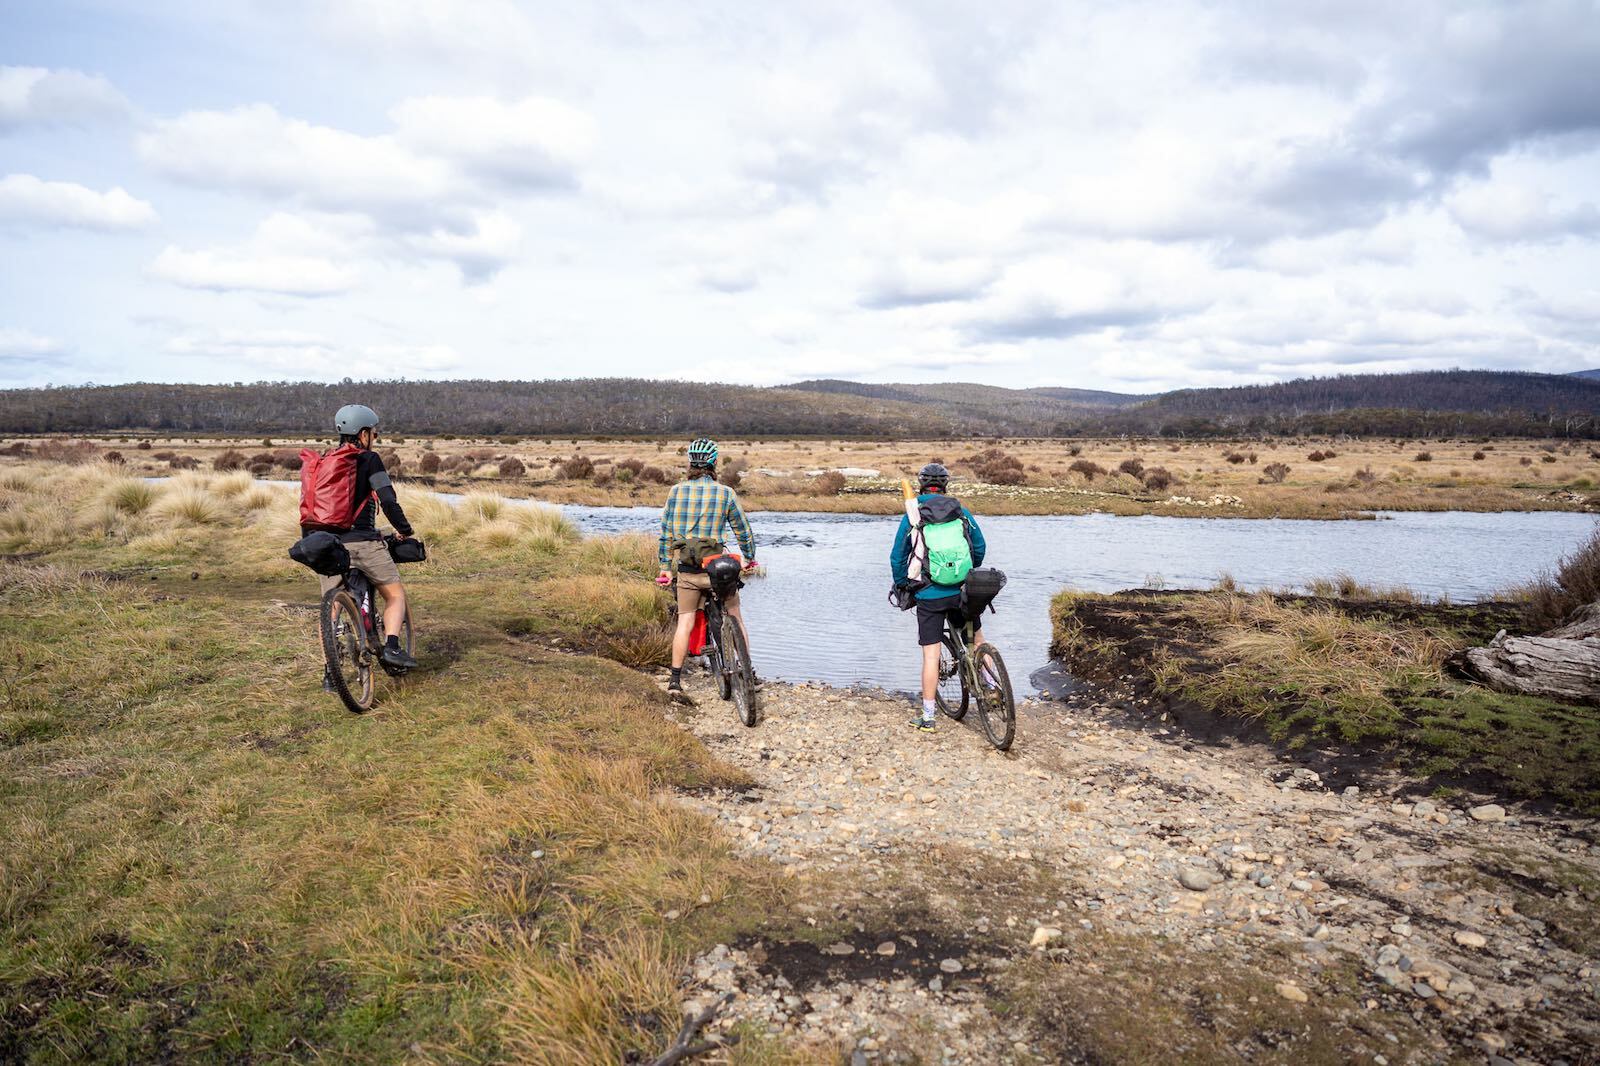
(1357, 684)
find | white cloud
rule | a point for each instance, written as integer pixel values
(308, 356)
(532, 144)
(35, 96)
(1517, 213)
(20, 344)
(288, 275)
(26, 199)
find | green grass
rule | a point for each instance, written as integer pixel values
(1361, 676)
(203, 856)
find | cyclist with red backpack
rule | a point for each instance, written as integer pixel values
(341, 491)
(931, 559)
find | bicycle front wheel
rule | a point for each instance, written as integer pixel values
(951, 696)
(996, 706)
(741, 675)
(349, 667)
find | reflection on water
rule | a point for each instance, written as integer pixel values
(821, 613)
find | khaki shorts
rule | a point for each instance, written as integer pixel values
(693, 588)
(372, 558)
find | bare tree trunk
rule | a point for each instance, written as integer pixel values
(1562, 664)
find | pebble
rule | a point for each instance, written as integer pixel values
(950, 965)
(1195, 879)
(1469, 939)
(1292, 993)
(1043, 935)
(1488, 812)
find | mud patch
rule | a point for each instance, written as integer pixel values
(918, 954)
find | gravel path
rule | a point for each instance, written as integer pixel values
(1469, 918)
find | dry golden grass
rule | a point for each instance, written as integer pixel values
(197, 835)
(1353, 476)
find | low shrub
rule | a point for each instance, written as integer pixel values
(260, 469)
(827, 483)
(393, 463)
(1525, 461)
(143, 446)
(1159, 479)
(1088, 468)
(602, 478)
(578, 468)
(1234, 457)
(288, 458)
(1274, 473)
(114, 457)
(1317, 456)
(1131, 467)
(263, 457)
(632, 466)
(228, 460)
(733, 472)
(430, 463)
(1478, 457)
(654, 475)
(511, 466)
(184, 462)
(73, 452)
(1547, 458)
(1075, 450)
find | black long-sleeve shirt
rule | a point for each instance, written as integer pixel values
(372, 478)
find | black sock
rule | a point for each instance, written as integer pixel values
(677, 673)
(392, 642)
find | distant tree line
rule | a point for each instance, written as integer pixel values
(1441, 404)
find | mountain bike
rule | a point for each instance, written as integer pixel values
(726, 649)
(352, 639)
(967, 669)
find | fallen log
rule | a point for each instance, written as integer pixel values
(1555, 667)
(685, 1047)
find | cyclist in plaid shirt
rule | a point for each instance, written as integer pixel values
(699, 507)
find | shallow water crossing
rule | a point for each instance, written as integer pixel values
(821, 613)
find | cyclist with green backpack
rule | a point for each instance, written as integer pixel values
(932, 557)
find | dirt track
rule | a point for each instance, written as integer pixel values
(1467, 932)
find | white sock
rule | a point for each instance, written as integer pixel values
(927, 710)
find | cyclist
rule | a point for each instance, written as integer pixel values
(945, 543)
(693, 523)
(350, 484)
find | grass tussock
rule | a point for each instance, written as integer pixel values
(1550, 599)
(1365, 677)
(205, 857)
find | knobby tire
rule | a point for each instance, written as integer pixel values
(951, 695)
(741, 675)
(996, 707)
(343, 650)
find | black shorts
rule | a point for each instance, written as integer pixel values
(931, 614)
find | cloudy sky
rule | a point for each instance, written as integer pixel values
(1133, 196)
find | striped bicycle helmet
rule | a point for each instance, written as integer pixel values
(702, 453)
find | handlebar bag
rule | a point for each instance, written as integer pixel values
(410, 550)
(978, 594)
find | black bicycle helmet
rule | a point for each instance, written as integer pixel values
(702, 453)
(933, 475)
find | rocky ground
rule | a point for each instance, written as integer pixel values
(1433, 929)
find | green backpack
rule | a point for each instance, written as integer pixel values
(946, 542)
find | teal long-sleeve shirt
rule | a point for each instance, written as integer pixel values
(900, 556)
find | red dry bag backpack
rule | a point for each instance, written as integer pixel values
(328, 489)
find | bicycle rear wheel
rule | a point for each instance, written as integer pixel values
(741, 675)
(349, 666)
(719, 662)
(995, 704)
(405, 645)
(951, 696)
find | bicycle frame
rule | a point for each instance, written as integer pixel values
(360, 587)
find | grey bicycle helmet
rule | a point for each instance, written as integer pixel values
(702, 452)
(933, 474)
(352, 418)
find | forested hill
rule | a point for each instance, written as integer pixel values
(1437, 404)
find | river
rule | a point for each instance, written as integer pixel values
(821, 612)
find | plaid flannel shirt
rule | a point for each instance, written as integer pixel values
(700, 507)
